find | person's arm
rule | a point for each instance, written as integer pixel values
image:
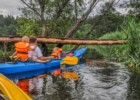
(46, 58)
(40, 56)
(14, 54)
(40, 61)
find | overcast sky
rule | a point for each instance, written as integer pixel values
(10, 7)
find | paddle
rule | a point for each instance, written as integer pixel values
(70, 60)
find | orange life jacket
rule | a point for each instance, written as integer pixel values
(56, 53)
(22, 49)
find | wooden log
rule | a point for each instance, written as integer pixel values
(67, 41)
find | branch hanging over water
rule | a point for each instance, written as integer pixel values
(67, 41)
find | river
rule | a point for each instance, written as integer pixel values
(109, 81)
(98, 80)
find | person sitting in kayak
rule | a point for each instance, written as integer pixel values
(35, 53)
(70, 54)
(57, 51)
(22, 49)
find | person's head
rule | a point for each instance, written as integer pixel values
(55, 48)
(25, 39)
(33, 39)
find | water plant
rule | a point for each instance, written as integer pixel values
(128, 53)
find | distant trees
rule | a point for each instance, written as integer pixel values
(111, 21)
(7, 25)
(133, 7)
(62, 18)
(58, 17)
(135, 4)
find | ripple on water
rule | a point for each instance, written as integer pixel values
(95, 83)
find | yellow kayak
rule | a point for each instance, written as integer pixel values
(11, 90)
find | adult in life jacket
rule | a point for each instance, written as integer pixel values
(22, 49)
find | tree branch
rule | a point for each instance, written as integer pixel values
(100, 18)
(60, 10)
(81, 20)
(92, 28)
(31, 8)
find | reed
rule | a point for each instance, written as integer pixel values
(129, 53)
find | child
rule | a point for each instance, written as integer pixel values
(35, 53)
(22, 49)
(56, 53)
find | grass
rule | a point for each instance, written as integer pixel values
(129, 53)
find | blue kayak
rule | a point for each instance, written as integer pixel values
(22, 70)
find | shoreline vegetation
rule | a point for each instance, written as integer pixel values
(127, 54)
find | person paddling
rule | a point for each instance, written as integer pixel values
(35, 53)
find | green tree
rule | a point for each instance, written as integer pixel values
(110, 22)
(7, 25)
(27, 27)
(51, 13)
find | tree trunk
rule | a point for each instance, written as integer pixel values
(42, 17)
(67, 41)
(43, 27)
(60, 10)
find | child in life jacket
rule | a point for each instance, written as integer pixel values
(22, 49)
(35, 53)
(57, 51)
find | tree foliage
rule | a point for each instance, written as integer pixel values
(7, 25)
(27, 27)
(111, 21)
(69, 17)
(133, 7)
(56, 13)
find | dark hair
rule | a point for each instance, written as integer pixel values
(59, 45)
(33, 39)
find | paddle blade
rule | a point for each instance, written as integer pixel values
(70, 60)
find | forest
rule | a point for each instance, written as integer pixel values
(80, 19)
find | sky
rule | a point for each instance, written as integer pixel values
(10, 7)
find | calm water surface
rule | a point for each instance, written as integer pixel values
(110, 82)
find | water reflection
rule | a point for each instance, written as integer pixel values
(108, 82)
(134, 87)
(105, 83)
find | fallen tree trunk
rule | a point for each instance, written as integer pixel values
(67, 41)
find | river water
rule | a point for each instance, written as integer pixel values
(98, 80)
(109, 81)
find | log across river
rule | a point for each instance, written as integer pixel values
(67, 41)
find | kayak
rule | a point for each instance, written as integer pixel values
(22, 70)
(10, 91)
